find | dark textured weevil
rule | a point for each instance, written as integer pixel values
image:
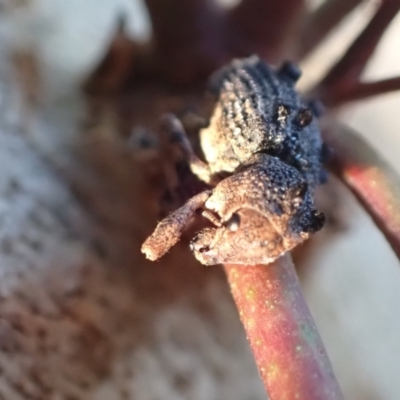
(263, 138)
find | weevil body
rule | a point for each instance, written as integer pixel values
(263, 138)
(259, 110)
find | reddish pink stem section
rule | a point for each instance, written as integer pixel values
(363, 91)
(288, 350)
(370, 178)
(347, 71)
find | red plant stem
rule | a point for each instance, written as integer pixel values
(288, 350)
(369, 177)
(346, 72)
(180, 22)
(188, 38)
(267, 26)
(114, 68)
(323, 20)
(362, 91)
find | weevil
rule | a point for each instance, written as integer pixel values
(264, 155)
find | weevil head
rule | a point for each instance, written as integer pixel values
(250, 238)
(247, 238)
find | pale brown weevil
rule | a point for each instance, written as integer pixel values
(264, 140)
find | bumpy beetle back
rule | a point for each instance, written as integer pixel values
(263, 149)
(258, 110)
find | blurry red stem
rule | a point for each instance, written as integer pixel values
(347, 71)
(267, 26)
(323, 20)
(188, 38)
(362, 91)
(369, 177)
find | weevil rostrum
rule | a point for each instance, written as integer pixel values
(264, 157)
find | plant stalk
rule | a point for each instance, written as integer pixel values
(288, 350)
(369, 177)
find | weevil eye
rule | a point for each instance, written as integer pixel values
(304, 117)
(233, 223)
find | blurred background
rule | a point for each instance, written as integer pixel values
(48, 50)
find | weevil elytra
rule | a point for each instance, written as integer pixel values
(263, 139)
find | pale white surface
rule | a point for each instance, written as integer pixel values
(70, 37)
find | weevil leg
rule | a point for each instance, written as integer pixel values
(169, 230)
(175, 131)
(191, 120)
(168, 160)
